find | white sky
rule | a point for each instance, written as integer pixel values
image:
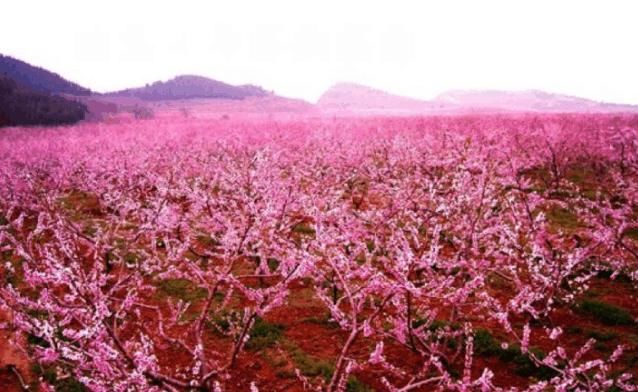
(299, 48)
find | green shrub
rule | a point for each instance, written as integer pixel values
(563, 218)
(526, 367)
(273, 264)
(572, 329)
(308, 365)
(304, 229)
(264, 335)
(37, 341)
(622, 277)
(181, 289)
(207, 241)
(602, 336)
(324, 320)
(606, 313)
(485, 344)
(220, 322)
(435, 325)
(68, 384)
(131, 258)
(354, 385)
(313, 367)
(632, 233)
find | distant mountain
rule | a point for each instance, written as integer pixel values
(20, 105)
(191, 86)
(38, 79)
(529, 100)
(358, 99)
(271, 105)
(351, 97)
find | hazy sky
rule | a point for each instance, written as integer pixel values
(299, 48)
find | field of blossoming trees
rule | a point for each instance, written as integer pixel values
(374, 254)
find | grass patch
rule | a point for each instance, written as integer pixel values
(595, 293)
(220, 323)
(574, 330)
(39, 314)
(538, 174)
(277, 361)
(303, 298)
(582, 176)
(273, 264)
(562, 218)
(602, 347)
(304, 229)
(207, 241)
(89, 230)
(439, 325)
(602, 336)
(606, 313)
(631, 232)
(67, 384)
(15, 277)
(264, 334)
(621, 277)
(310, 366)
(354, 385)
(82, 204)
(632, 360)
(485, 344)
(182, 289)
(131, 258)
(498, 282)
(324, 320)
(37, 341)
(435, 324)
